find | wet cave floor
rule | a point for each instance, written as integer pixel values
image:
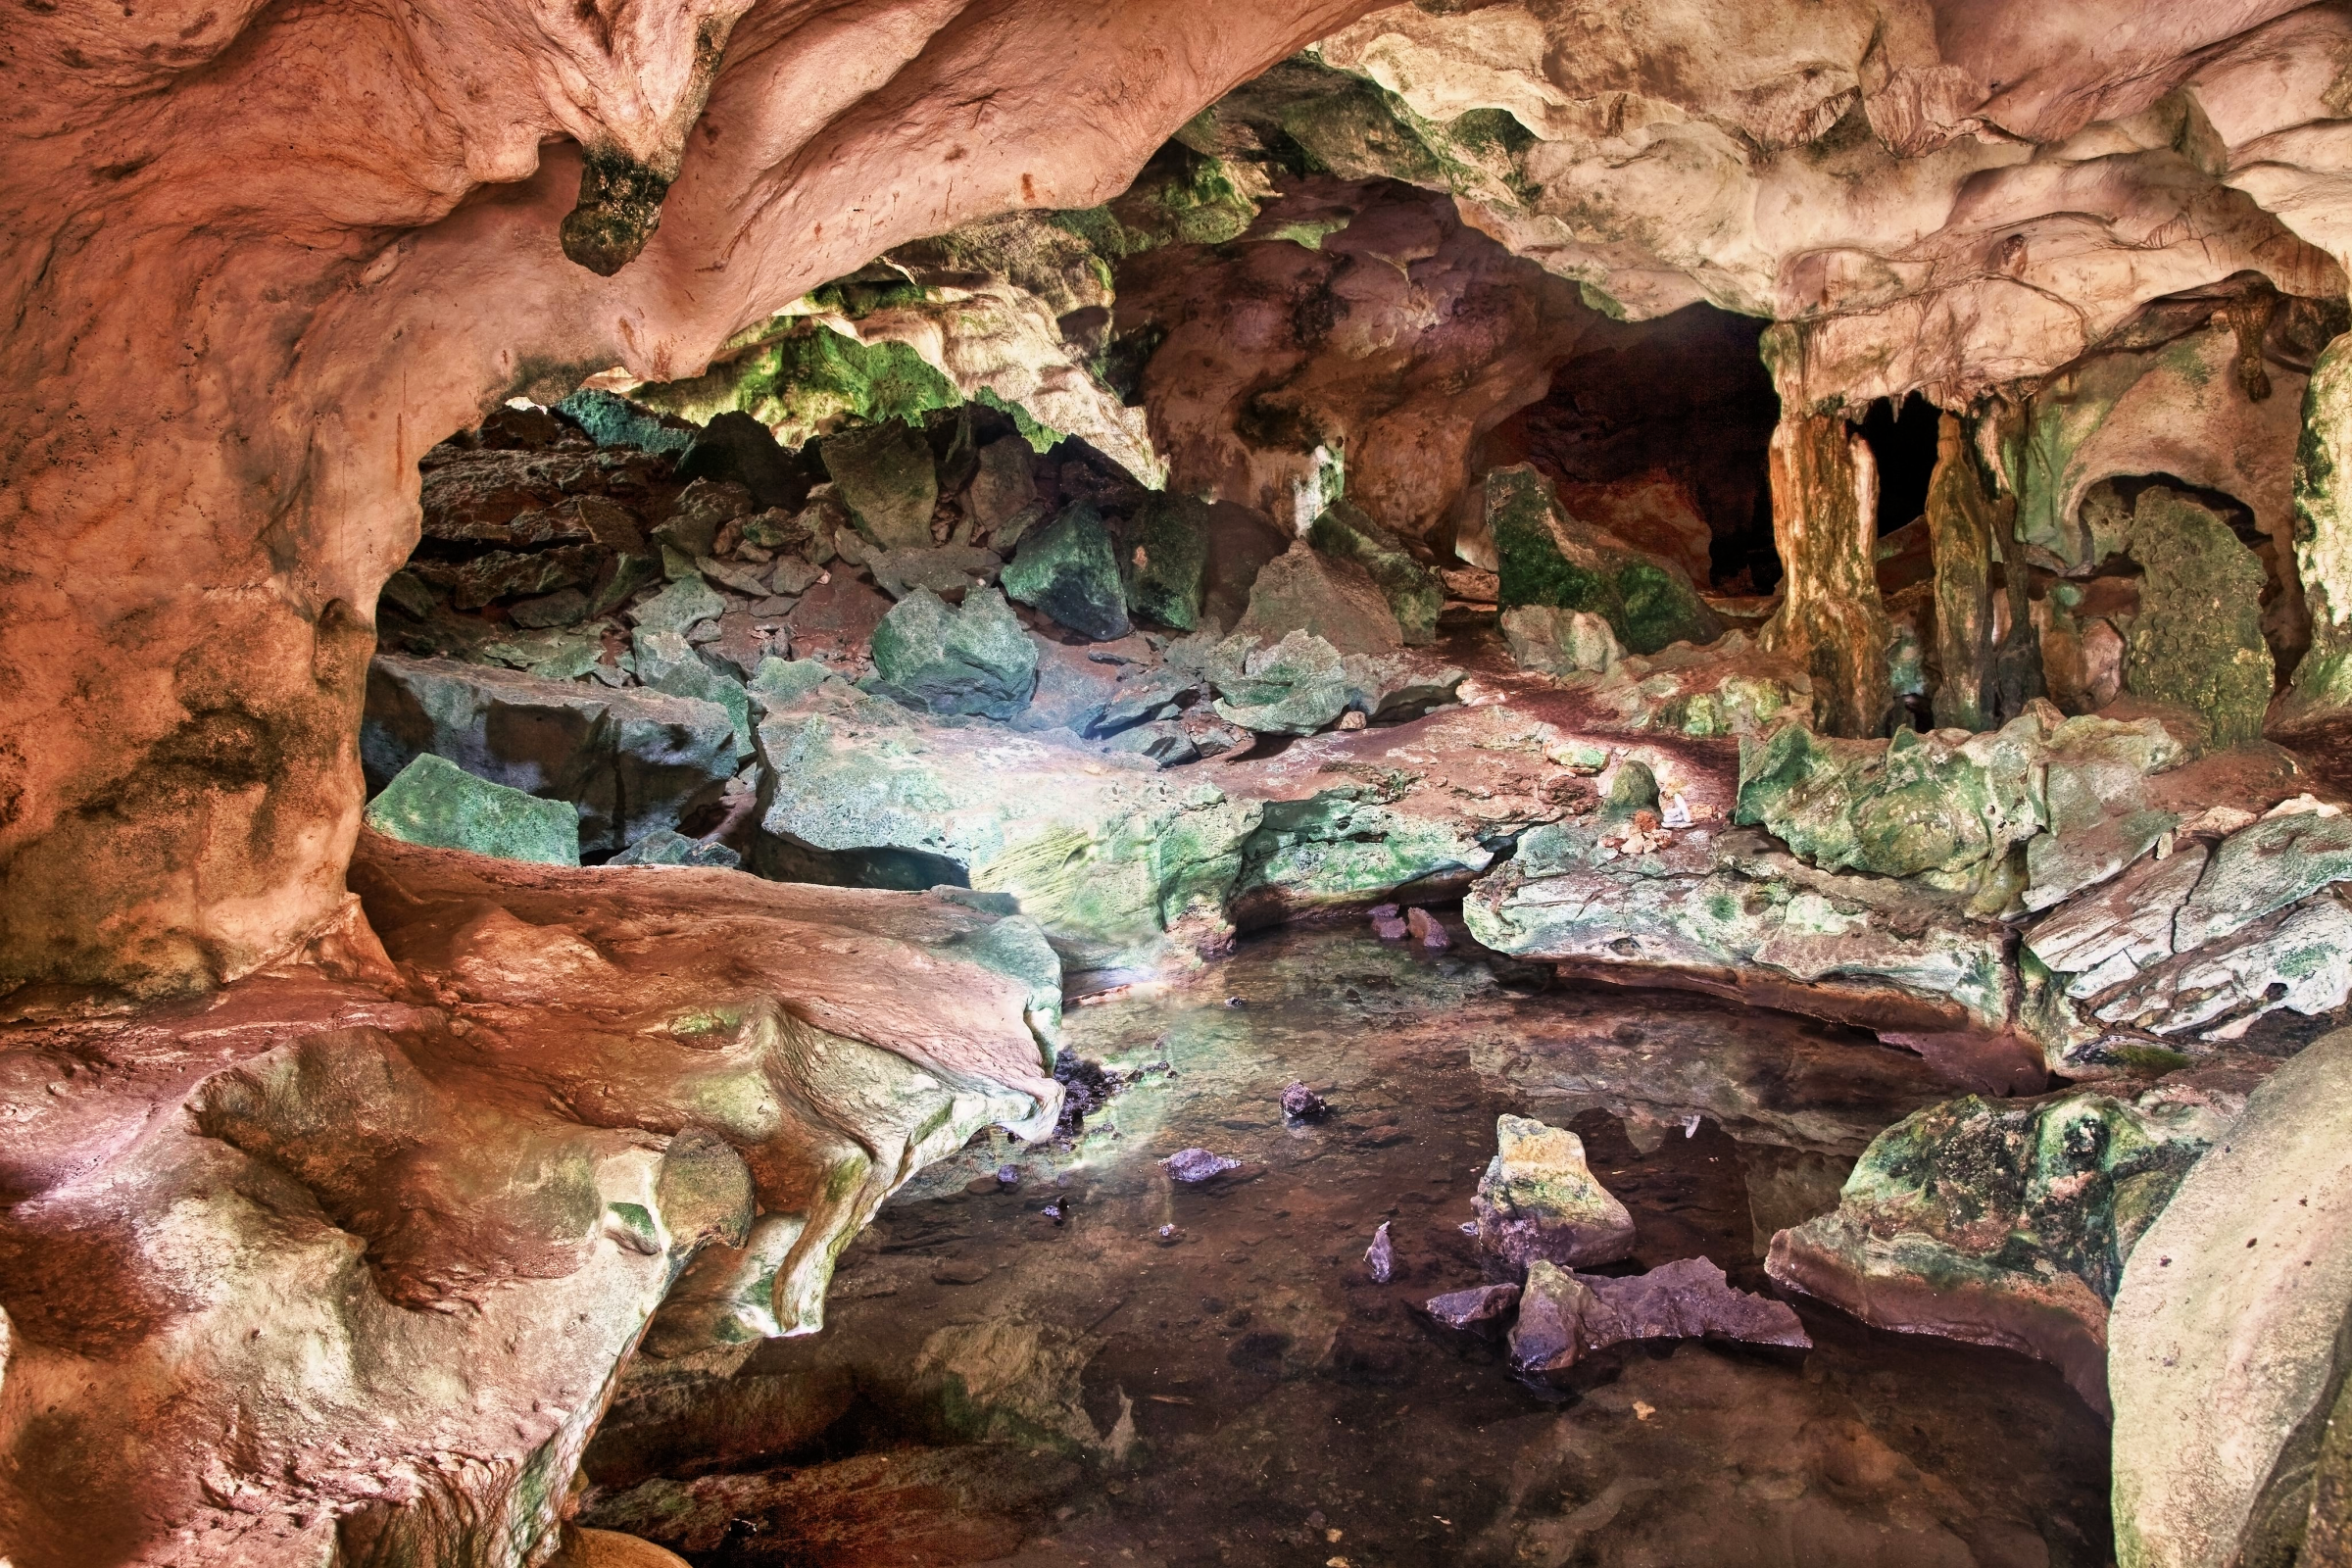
(994, 1386)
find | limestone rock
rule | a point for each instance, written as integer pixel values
(1548, 557)
(1293, 687)
(1003, 484)
(973, 658)
(668, 662)
(1560, 641)
(700, 513)
(837, 617)
(1564, 1316)
(1474, 1308)
(684, 603)
(885, 475)
(2197, 639)
(1070, 570)
(613, 420)
(1166, 560)
(1411, 589)
(437, 804)
(2227, 1330)
(2010, 1222)
(1539, 1202)
(1333, 601)
(629, 760)
(1240, 543)
(609, 1549)
(668, 847)
(736, 447)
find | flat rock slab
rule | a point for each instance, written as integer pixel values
(1564, 1317)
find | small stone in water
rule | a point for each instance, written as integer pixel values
(1468, 1227)
(1009, 1175)
(1467, 1310)
(1235, 1002)
(1169, 1235)
(1052, 1211)
(1381, 1256)
(1387, 923)
(1425, 928)
(1304, 1104)
(1199, 1164)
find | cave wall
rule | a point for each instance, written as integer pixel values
(266, 256)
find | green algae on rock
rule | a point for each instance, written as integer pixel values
(435, 803)
(2197, 640)
(1548, 557)
(885, 474)
(972, 658)
(1539, 1201)
(1165, 565)
(1411, 589)
(1069, 570)
(2009, 1222)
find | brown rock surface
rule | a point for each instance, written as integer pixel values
(377, 1212)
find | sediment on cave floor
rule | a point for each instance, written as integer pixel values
(1337, 862)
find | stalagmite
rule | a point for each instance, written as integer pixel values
(1825, 496)
(1961, 527)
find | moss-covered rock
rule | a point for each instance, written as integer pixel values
(1336, 601)
(970, 659)
(435, 803)
(1070, 570)
(1548, 557)
(1552, 641)
(2009, 1222)
(1166, 560)
(1293, 687)
(1411, 589)
(1540, 1200)
(887, 478)
(2197, 640)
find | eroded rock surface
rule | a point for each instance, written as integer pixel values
(422, 1199)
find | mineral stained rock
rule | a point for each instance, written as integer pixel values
(1825, 497)
(970, 659)
(443, 1200)
(1333, 600)
(1069, 570)
(885, 475)
(1539, 1202)
(1552, 641)
(435, 803)
(2010, 1222)
(2227, 1348)
(1411, 589)
(1548, 557)
(630, 761)
(1564, 1316)
(2197, 639)
(1474, 1308)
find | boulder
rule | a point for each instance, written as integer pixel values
(838, 617)
(668, 662)
(2009, 1222)
(435, 803)
(1334, 601)
(1241, 541)
(2197, 640)
(665, 845)
(886, 476)
(1004, 485)
(508, 574)
(1293, 687)
(973, 658)
(737, 447)
(628, 760)
(1539, 1201)
(1411, 589)
(1164, 553)
(701, 510)
(1548, 557)
(2229, 1345)
(1552, 641)
(1069, 570)
(1564, 1316)
(948, 570)
(681, 605)
(781, 682)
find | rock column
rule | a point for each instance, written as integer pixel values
(2322, 682)
(1825, 497)
(1961, 528)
